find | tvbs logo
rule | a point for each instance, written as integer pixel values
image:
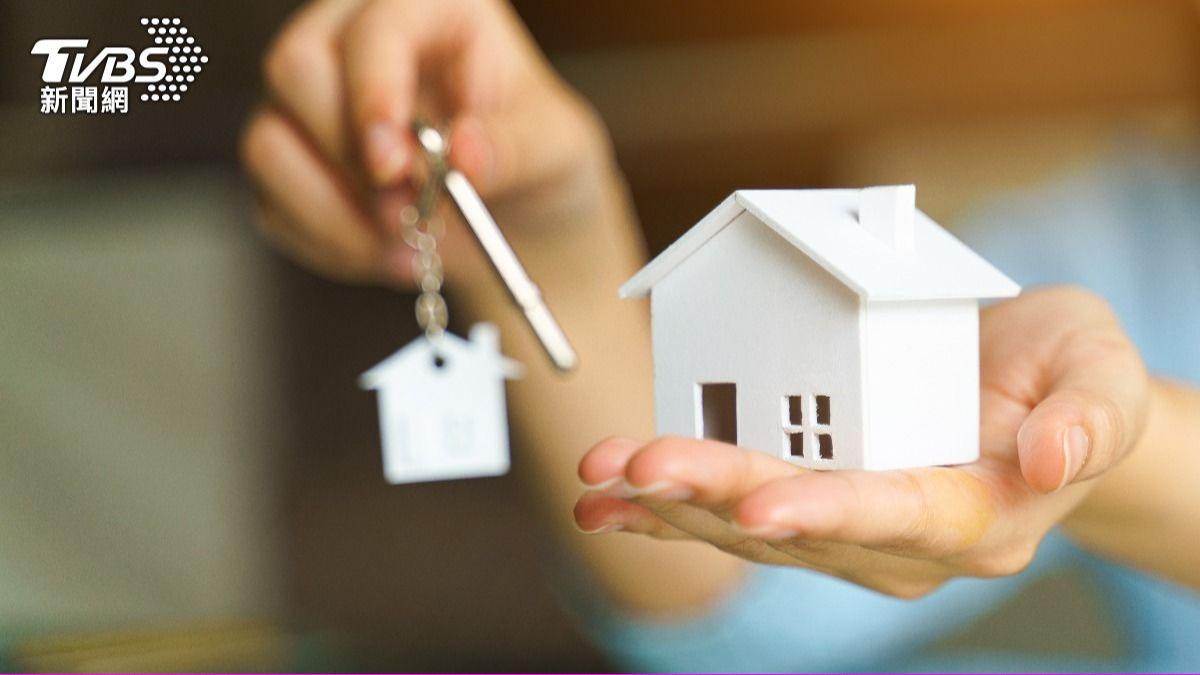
(161, 73)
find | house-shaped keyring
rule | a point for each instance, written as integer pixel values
(835, 329)
(441, 407)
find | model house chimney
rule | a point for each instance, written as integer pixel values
(888, 212)
(486, 336)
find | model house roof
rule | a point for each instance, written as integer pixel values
(484, 344)
(874, 241)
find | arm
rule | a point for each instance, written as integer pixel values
(1146, 511)
(332, 156)
(610, 392)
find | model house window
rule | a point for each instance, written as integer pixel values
(823, 410)
(793, 425)
(826, 443)
(717, 411)
(796, 409)
(795, 443)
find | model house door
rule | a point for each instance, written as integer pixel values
(717, 411)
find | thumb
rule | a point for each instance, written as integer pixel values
(1090, 417)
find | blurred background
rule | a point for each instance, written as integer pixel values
(189, 478)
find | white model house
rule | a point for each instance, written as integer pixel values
(441, 408)
(835, 329)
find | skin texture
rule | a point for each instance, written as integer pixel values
(1064, 395)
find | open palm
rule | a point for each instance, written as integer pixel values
(1063, 398)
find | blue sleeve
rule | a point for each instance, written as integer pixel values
(1129, 231)
(788, 619)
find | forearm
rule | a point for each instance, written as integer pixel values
(1145, 511)
(579, 254)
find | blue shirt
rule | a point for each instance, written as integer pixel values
(1129, 230)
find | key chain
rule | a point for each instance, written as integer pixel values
(442, 412)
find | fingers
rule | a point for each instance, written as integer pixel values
(708, 473)
(736, 498)
(597, 513)
(1093, 409)
(604, 465)
(303, 76)
(704, 472)
(681, 481)
(691, 485)
(380, 49)
(884, 530)
(313, 213)
(665, 517)
(390, 46)
(930, 513)
(350, 75)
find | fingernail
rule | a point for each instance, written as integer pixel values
(1075, 451)
(663, 490)
(602, 485)
(767, 532)
(610, 527)
(615, 487)
(386, 153)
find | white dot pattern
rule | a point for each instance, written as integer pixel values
(183, 55)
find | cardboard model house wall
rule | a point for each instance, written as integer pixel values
(441, 408)
(832, 328)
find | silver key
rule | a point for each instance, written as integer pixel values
(524, 292)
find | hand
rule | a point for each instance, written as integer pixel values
(332, 152)
(1064, 398)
